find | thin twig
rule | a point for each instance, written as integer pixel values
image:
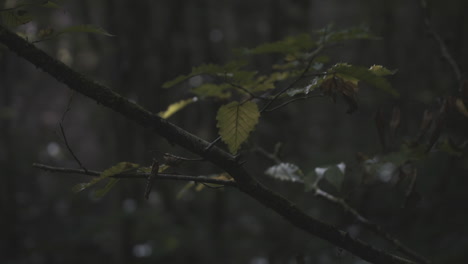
(293, 100)
(138, 175)
(65, 137)
(306, 69)
(361, 219)
(443, 48)
(377, 229)
(149, 182)
(267, 154)
(242, 88)
(211, 187)
(212, 143)
(244, 180)
(182, 158)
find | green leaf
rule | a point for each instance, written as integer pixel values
(241, 77)
(285, 172)
(211, 69)
(175, 81)
(265, 83)
(184, 190)
(175, 107)
(310, 181)
(103, 191)
(365, 75)
(119, 168)
(235, 122)
(50, 4)
(380, 70)
(335, 175)
(213, 90)
(450, 148)
(16, 17)
(85, 29)
(291, 44)
(331, 36)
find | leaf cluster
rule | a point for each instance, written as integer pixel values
(299, 73)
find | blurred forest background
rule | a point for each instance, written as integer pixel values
(43, 221)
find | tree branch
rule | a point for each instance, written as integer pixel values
(377, 229)
(245, 182)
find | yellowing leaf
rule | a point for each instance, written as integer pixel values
(461, 107)
(45, 33)
(119, 168)
(222, 176)
(175, 107)
(235, 122)
(365, 75)
(380, 70)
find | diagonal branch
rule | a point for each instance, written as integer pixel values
(246, 183)
(377, 229)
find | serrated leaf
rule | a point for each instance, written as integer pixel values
(119, 168)
(337, 84)
(85, 29)
(365, 75)
(175, 107)
(235, 122)
(213, 90)
(285, 172)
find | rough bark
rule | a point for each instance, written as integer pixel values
(246, 183)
